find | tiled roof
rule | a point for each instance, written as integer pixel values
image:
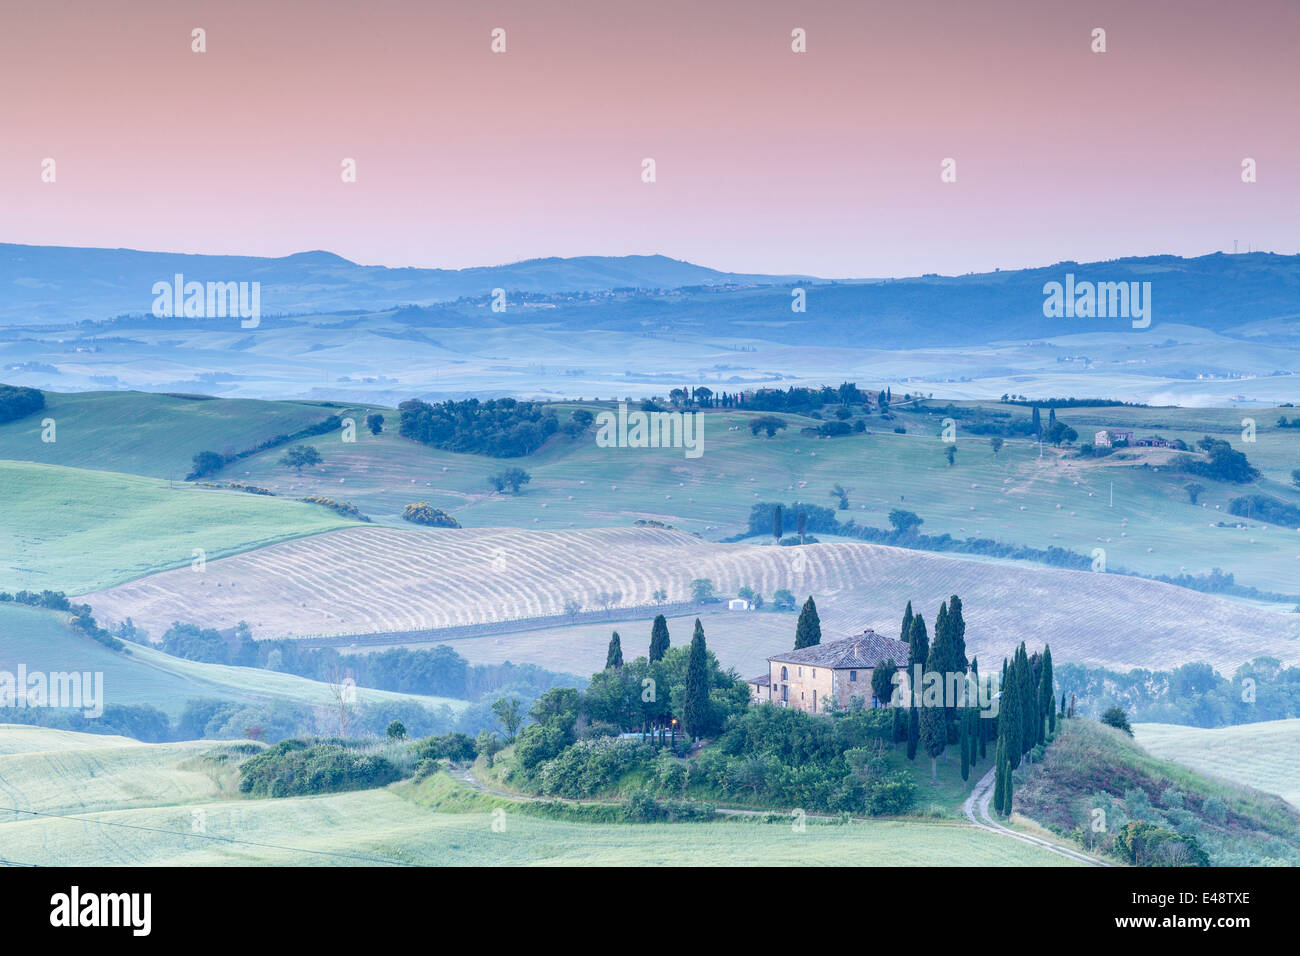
(863, 652)
(762, 680)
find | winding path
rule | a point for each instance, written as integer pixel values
(979, 800)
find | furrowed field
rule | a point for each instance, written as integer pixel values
(367, 580)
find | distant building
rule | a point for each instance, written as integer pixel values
(841, 670)
(1154, 442)
(1109, 437)
(738, 604)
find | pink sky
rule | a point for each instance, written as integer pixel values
(825, 162)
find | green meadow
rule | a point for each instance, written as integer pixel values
(66, 529)
(43, 641)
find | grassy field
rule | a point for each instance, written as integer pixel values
(154, 435)
(1265, 756)
(375, 579)
(43, 642)
(1135, 509)
(154, 804)
(66, 529)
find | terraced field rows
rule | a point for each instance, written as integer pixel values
(369, 580)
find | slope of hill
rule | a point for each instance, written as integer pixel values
(1265, 755)
(71, 530)
(113, 802)
(43, 641)
(151, 434)
(59, 284)
(1094, 780)
(371, 579)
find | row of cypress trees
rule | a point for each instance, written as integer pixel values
(695, 708)
(1026, 718)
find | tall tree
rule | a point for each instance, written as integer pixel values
(934, 733)
(1048, 691)
(957, 631)
(1037, 423)
(905, 634)
(1010, 720)
(614, 656)
(776, 524)
(963, 741)
(695, 709)
(918, 654)
(658, 638)
(882, 681)
(999, 775)
(808, 631)
(1028, 702)
(913, 731)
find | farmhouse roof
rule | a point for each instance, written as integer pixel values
(762, 680)
(862, 652)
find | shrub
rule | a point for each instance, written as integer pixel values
(423, 513)
(294, 768)
(1117, 718)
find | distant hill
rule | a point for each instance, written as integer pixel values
(52, 284)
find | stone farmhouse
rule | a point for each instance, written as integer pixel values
(810, 677)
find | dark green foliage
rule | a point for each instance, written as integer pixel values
(614, 655)
(456, 747)
(18, 402)
(919, 654)
(964, 741)
(1115, 717)
(509, 481)
(1223, 463)
(300, 456)
(658, 638)
(905, 632)
(500, 428)
(696, 710)
(205, 463)
(905, 522)
(294, 768)
(1266, 508)
(933, 729)
(882, 681)
(1145, 844)
(913, 732)
(808, 630)
(1047, 695)
(396, 731)
(375, 422)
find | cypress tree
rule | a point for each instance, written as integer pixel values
(906, 633)
(776, 524)
(1007, 794)
(658, 638)
(934, 735)
(940, 658)
(1028, 702)
(913, 732)
(695, 709)
(1049, 698)
(999, 775)
(964, 742)
(1062, 703)
(1037, 423)
(900, 724)
(919, 654)
(1010, 721)
(957, 631)
(809, 629)
(614, 656)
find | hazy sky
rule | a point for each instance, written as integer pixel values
(825, 162)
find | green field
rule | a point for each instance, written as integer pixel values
(152, 804)
(66, 529)
(1265, 756)
(1134, 508)
(142, 433)
(44, 642)
(1015, 497)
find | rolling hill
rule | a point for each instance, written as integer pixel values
(67, 529)
(371, 580)
(1265, 755)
